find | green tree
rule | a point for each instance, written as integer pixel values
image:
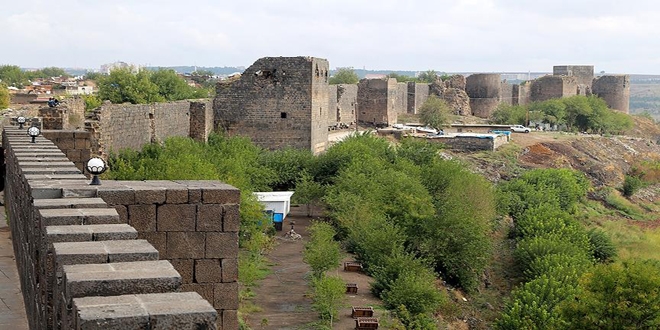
(428, 76)
(322, 252)
(48, 72)
(308, 192)
(401, 78)
(91, 75)
(122, 85)
(414, 290)
(170, 86)
(435, 112)
(92, 101)
(344, 76)
(13, 76)
(328, 295)
(509, 115)
(616, 296)
(5, 97)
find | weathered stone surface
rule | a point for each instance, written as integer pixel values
(230, 269)
(208, 271)
(225, 295)
(185, 245)
(142, 217)
(221, 245)
(231, 219)
(185, 267)
(209, 217)
(176, 217)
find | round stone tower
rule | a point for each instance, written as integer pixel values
(615, 90)
(485, 92)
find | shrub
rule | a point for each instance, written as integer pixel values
(631, 184)
(414, 290)
(328, 295)
(322, 252)
(602, 247)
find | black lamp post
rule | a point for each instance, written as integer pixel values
(33, 132)
(96, 166)
(21, 121)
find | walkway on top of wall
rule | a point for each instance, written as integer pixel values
(12, 309)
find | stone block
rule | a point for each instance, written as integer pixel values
(221, 245)
(208, 271)
(179, 310)
(182, 245)
(120, 278)
(114, 312)
(185, 268)
(231, 219)
(102, 216)
(122, 211)
(130, 250)
(204, 290)
(149, 195)
(225, 295)
(221, 194)
(230, 269)
(142, 217)
(114, 196)
(176, 196)
(229, 319)
(82, 143)
(69, 203)
(74, 155)
(157, 239)
(176, 217)
(194, 195)
(209, 217)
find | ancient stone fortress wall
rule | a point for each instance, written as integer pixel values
(401, 104)
(201, 120)
(75, 144)
(584, 74)
(84, 254)
(347, 103)
(120, 126)
(69, 114)
(342, 104)
(376, 101)
(418, 93)
(277, 102)
(485, 92)
(553, 87)
(615, 90)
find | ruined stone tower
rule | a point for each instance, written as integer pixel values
(485, 92)
(376, 101)
(553, 87)
(277, 102)
(615, 90)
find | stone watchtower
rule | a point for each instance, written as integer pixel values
(485, 92)
(277, 102)
(376, 101)
(615, 90)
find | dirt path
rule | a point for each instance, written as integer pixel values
(283, 295)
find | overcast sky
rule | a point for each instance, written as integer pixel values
(452, 36)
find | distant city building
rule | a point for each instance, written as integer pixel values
(106, 68)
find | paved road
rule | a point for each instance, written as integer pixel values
(12, 309)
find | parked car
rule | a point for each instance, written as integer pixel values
(520, 129)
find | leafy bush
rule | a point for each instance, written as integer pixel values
(535, 305)
(328, 295)
(435, 112)
(616, 296)
(533, 248)
(415, 291)
(602, 247)
(322, 252)
(631, 184)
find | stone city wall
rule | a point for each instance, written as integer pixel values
(615, 90)
(485, 92)
(553, 87)
(82, 266)
(69, 114)
(401, 105)
(201, 120)
(277, 102)
(333, 107)
(376, 101)
(76, 145)
(584, 74)
(347, 103)
(418, 93)
(119, 126)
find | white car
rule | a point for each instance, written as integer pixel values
(520, 129)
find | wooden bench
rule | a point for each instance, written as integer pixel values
(352, 288)
(362, 311)
(352, 266)
(366, 323)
